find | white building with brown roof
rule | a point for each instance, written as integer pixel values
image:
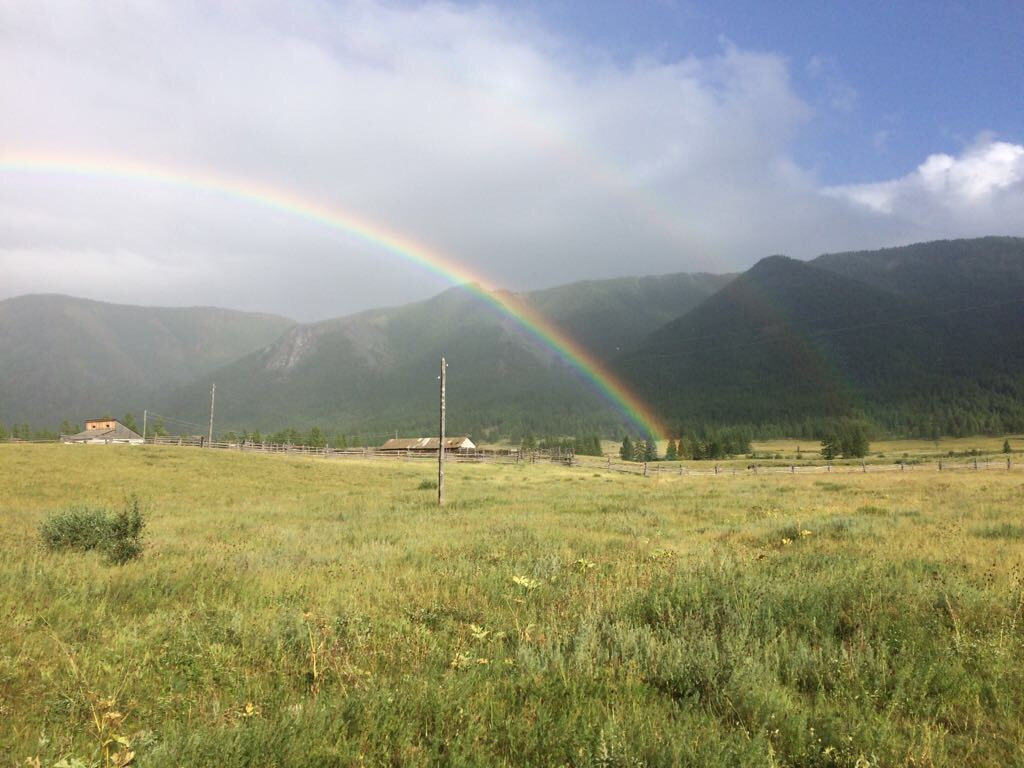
(427, 444)
(104, 432)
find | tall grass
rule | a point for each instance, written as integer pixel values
(302, 612)
(117, 535)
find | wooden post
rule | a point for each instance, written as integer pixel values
(864, 464)
(975, 463)
(716, 469)
(145, 414)
(940, 465)
(440, 446)
(645, 469)
(213, 394)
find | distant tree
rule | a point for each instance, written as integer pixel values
(848, 439)
(4, 434)
(671, 454)
(854, 440)
(340, 443)
(315, 438)
(626, 451)
(159, 428)
(1006, 446)
(129, 421)
(67, 428)
(650, 449)
(695, 448)
(830, 446)
(587, 445)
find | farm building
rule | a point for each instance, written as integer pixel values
(104, 432)
(427, 444)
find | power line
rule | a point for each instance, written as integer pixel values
(173, 420)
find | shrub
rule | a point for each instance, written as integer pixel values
(83, 529)
(426, 485)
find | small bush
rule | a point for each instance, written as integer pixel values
(426, 485)
(84, 529)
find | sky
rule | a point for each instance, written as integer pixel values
(530, 143)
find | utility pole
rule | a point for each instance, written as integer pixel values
(145, 413)
(440, 445)
(213, 394)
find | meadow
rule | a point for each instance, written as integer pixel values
(290, 611)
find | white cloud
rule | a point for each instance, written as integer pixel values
(528, 158)
(980, 191)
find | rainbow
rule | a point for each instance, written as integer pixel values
(591, 370)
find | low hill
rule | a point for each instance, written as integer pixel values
(67, 358)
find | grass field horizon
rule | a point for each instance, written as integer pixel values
(294, 611)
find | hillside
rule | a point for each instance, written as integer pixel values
(922, 339)
(67, 358)
(377, 371)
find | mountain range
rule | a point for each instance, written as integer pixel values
(922, 339)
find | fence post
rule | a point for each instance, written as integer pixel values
(792, 469)
(681, 469)
(828, 467)
(975, 463)
(940, 465)
(865, 465)
(645, 469)
(716, 469)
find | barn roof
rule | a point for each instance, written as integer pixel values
(424, 443)
(119, 432)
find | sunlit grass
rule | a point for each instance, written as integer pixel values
(289, 611)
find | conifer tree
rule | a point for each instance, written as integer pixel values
(650, 449)
(626, 451)
(671, 454)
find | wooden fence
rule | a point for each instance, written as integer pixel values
(474, 456)
(665, 469)
(606, 463)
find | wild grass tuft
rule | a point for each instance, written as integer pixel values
(118, 535)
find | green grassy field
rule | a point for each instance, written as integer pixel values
(301, 612)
